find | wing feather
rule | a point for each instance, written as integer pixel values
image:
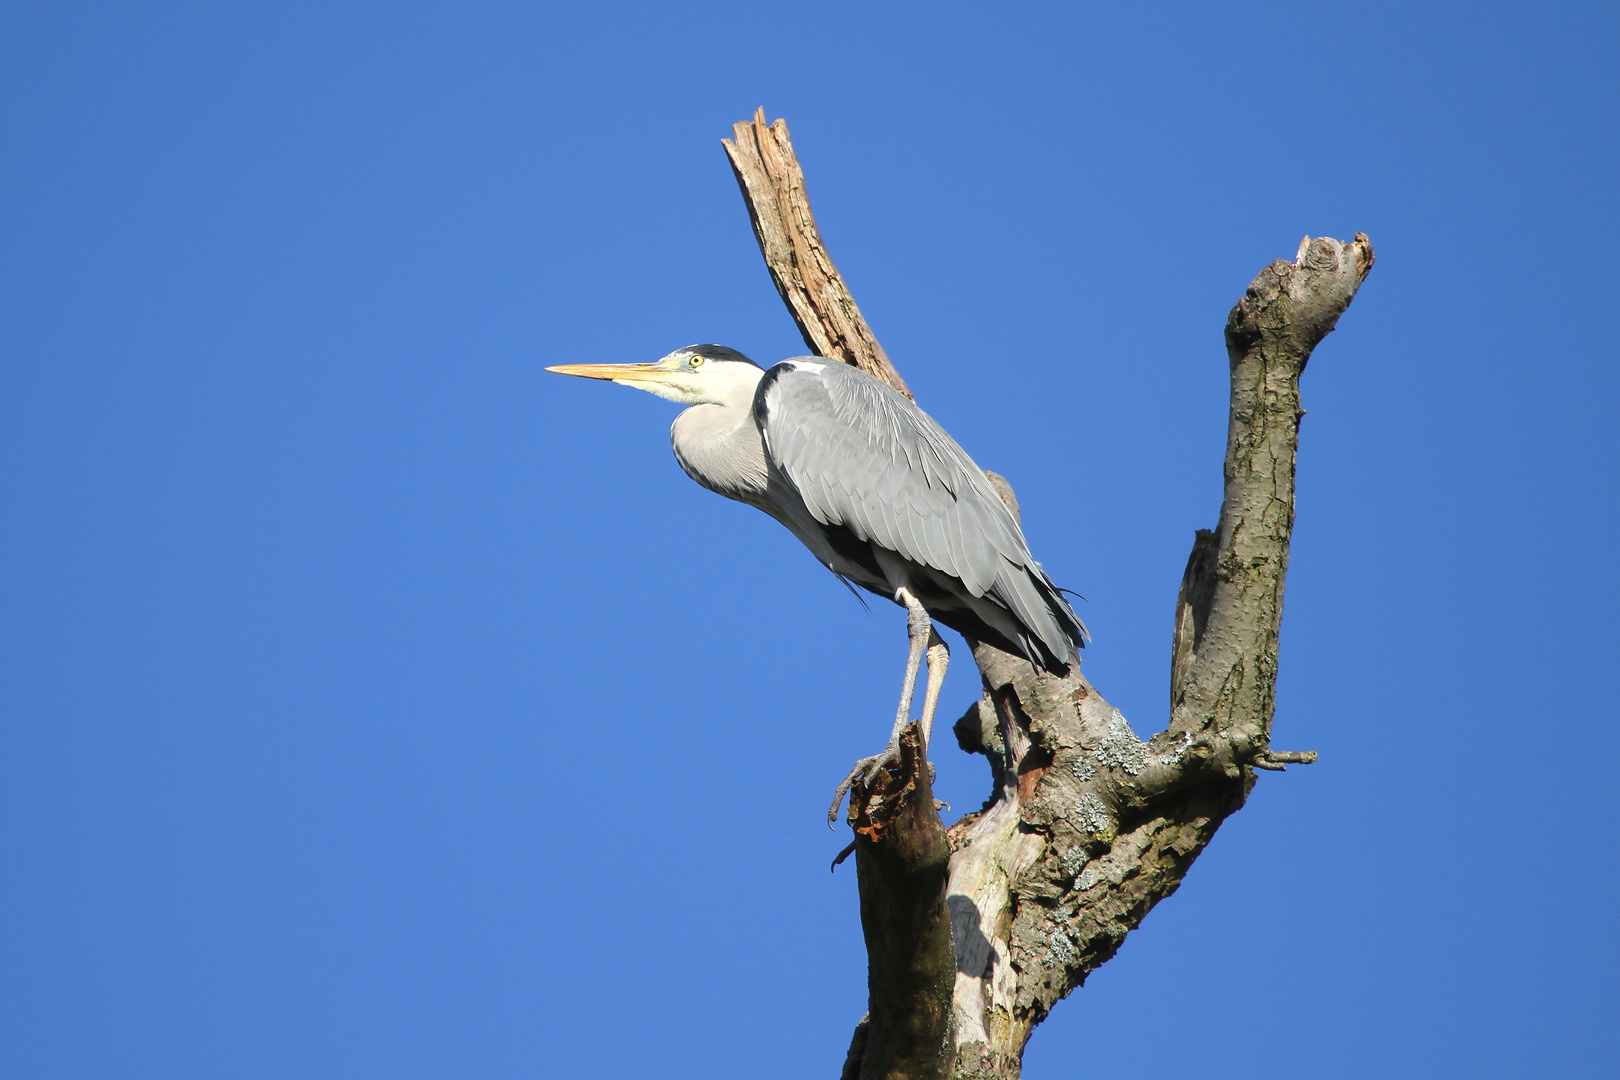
(864, 457)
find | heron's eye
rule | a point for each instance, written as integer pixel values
(695, 361)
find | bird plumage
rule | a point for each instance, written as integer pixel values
(877, 476)
(868, 481)
(878, 492)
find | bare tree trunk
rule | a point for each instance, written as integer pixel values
(903, 860)
(1087, 826)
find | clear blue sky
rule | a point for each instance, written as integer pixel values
(376, 705)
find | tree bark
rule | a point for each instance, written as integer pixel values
(902, 860)
(772, 184)
(1087, 827)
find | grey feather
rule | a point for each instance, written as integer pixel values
(858, 454)
(868, 482)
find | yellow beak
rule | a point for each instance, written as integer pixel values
(615, 372)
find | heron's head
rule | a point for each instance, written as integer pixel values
(695, 375)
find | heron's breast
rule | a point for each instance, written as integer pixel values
(723, 455)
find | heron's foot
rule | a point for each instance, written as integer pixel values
(865, 771)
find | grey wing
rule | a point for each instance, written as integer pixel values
(864, 457)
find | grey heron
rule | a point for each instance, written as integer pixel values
(877, 491)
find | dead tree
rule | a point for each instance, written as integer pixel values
(975, 931)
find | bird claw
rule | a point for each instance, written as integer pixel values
(864, 770)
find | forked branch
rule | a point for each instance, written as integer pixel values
(1087, 827)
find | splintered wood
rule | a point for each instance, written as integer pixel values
(772, 185)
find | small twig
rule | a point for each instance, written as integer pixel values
(1279, 760)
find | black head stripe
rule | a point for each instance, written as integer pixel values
(720, 353)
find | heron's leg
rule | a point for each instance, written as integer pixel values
(921, 630)
(939, 658)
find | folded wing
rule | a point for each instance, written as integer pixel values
(865, 458)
